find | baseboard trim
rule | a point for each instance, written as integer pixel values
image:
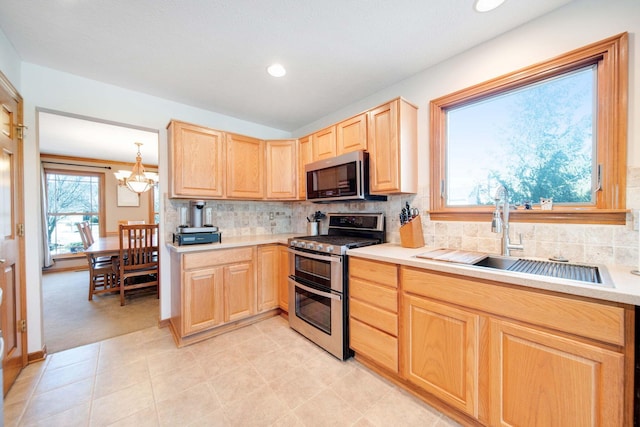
(37, 356)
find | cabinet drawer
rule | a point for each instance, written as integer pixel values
(381, 319)
(216, 257)
(374, 344)
(374, 271)
(596, 320)
(378, 296)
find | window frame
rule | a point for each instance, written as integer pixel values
(101, 207)
(611, 56)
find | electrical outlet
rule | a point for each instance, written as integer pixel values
(271, 216)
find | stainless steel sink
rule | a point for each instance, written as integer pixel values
(592, 274)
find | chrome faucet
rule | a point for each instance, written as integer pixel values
(500, 221)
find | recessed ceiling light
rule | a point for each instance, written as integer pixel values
(276, 70)
(487, 5)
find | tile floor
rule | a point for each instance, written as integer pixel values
(261, 375)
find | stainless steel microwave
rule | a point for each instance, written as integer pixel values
(340, 178)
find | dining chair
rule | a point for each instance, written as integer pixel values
(138, 263)
(102, 270)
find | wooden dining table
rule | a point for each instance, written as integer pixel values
(104, 246)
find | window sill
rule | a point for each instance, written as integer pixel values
(557, 215)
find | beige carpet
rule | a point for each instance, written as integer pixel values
(71, 320)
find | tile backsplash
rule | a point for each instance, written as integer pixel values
(601, 244)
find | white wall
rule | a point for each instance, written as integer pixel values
(9, 61)
(579, 23)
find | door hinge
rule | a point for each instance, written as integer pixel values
(20, 130)
(20, 230)
(22, 326)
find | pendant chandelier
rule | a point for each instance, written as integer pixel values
(137, 180)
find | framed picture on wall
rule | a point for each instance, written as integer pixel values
(127, 197)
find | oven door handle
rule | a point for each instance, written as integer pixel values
(315, 291)
(314, 256)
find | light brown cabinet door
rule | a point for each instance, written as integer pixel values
(202, 299)
(305, 155)
(197, 161)
(392, 143)
(324, 143)
(283, 282)
(281, 169)
(245, 167)
(268, 277)
(540, 379)
(351, 135)
(240, 294)
(442, 351)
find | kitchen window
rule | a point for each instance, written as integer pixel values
(555, 129)
(72, 197)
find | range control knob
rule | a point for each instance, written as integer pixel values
(293, 243)
(300, 244)
(329, 249)
(319, 247)
(310, 246)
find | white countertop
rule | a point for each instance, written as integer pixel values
(233, 242)
(626, 285)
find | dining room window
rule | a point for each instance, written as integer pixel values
(72, 197)
(554, 131)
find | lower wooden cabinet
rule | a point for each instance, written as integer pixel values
(373, 311)
(441, 346)
(490, 353)
(239, 291)
(211, 288)
(268, 277)
(283, 279)
(542, 379)
(202, 299)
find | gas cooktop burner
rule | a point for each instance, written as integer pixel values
(346, 231)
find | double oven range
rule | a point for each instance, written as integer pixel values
(318, 278)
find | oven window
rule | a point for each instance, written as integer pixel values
(314, 309)
(313, 270)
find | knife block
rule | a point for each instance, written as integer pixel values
(411, 234)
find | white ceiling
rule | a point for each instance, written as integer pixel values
(75, 136)
(213, 54)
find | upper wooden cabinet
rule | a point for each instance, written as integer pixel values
(393, 148)
(245, 167)
(351, 134)
(196, 167)
(281, 169)
(305, 155)
(324, 143)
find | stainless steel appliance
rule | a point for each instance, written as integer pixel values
(318, 273)
(200, 229)
(344, 177)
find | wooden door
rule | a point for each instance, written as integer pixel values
(268, 277)
(202, 299)
(305, 155)
(384, 149)
(324, 143)
(197, 162)
(283, 276)
(281, 169)
(245, 167)
(540, 379)
(13, 310)
(240, 295)
(442, 351)
(351, 134)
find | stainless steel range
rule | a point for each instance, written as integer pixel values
(318, 273)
